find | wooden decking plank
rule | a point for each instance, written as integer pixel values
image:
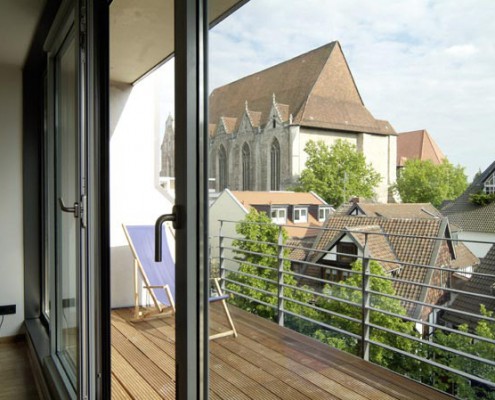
(118, 391)
(157, 354)
(371, 374)
(264, 362)
(311, 358)
(156, 331)
(157, 378)
(311, 371)
(128, 377)
(288, 376)
(256, 373)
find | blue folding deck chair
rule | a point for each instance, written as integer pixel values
(159, 277)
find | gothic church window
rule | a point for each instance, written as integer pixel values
(246, 167)
(275, 165)
(222, 169)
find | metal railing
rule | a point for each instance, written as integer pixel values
(285, 291)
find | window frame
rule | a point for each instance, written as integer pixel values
(489, 184)
(326, 211)
(279, 219)
(301, 210)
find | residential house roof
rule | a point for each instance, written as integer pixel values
(391, 210)
(254, 199)
(480, 284)
(379, 246)
(472, 217)
(316, 88)
(416, 245)
(417, 145)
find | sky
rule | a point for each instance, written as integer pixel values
(418, 64)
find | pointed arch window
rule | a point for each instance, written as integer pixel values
(275, 165)
(246, 167)
(222, 169)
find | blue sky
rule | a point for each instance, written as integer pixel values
(419, 64)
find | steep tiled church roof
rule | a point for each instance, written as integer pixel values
(316, 88)
(417, 145)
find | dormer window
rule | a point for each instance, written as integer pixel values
(278, 215)
(323, 213)
(490, 184)
(300, 214)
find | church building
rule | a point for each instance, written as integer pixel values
(260, 124)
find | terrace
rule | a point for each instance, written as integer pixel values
(409, 326)
(265, 361)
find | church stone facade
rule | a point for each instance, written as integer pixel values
(260, 124)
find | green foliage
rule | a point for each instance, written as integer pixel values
(260, 246)
(337, 173)
(462, 387)
(424, 182)
(482, 198)
(378, 354)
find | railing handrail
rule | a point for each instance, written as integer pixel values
(366, 304)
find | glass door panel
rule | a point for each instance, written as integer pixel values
(67, 196)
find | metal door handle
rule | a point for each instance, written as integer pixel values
(74, 210)
(174, 217)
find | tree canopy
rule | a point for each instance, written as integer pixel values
(338, 172)
(258, 252)
(424, 182)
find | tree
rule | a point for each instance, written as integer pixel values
(352, 307)
(258, 255)
(337, 173)
(424, 182)
(463, 388)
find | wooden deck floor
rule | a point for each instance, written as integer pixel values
(264, 362)
(16, 378)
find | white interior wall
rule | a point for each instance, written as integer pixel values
(134, 194)
(11, 234)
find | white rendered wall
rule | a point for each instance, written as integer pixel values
(380, 151)
(305, 135)
(227, 208)
(478, 249)
(134, 195)
(11, 240)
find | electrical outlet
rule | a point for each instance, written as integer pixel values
(10, 309)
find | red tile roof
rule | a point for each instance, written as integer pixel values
(417, 145)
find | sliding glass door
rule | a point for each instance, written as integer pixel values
(67, 230)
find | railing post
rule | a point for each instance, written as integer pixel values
(280, 286)
(365, 287)
(221, 256)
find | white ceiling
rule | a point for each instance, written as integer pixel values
(142, 34)
(18, 20)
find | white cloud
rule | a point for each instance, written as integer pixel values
(418, 63)
(461, 50)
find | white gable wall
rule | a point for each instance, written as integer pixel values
(135, 197)
(478, 249)
(225, 207)
(380, 151)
